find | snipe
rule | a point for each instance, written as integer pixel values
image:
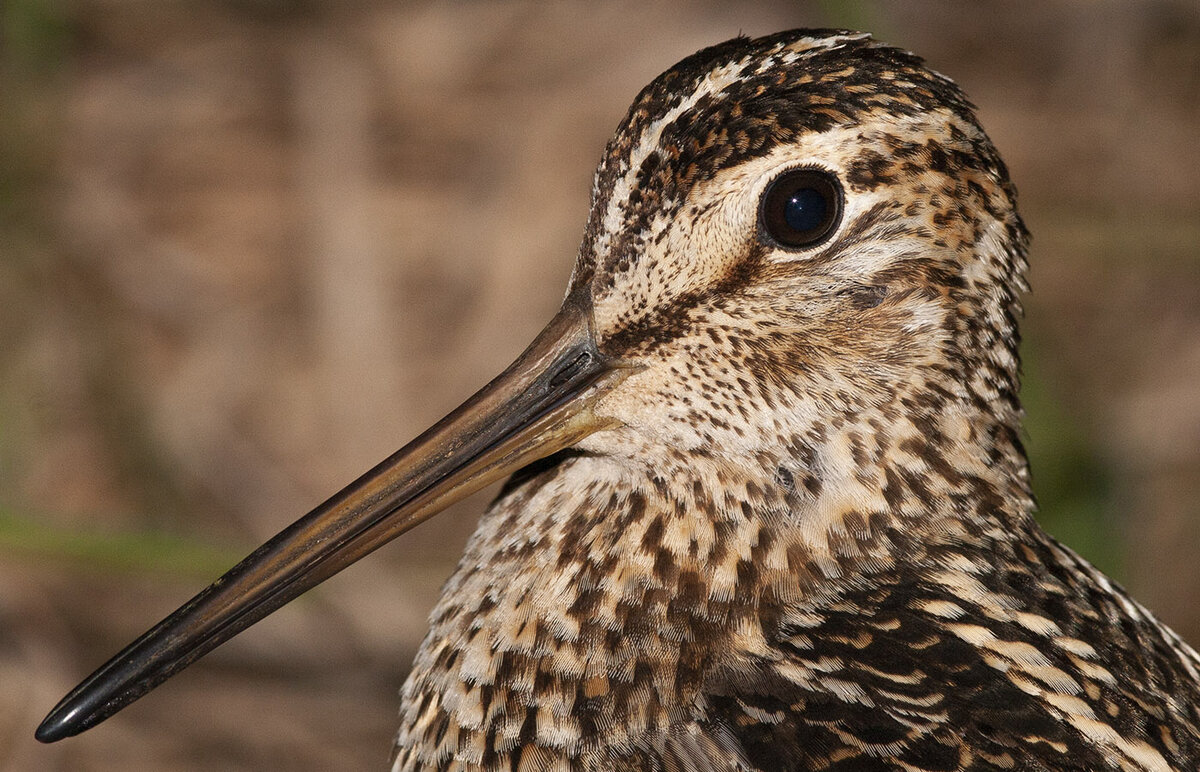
(770, 508)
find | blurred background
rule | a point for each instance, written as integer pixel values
(248, 248)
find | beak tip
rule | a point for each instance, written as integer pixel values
(74, 714)
(56, 726)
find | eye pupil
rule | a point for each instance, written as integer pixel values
(801, 208)
(805, 209)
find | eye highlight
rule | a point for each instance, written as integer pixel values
(801, 208)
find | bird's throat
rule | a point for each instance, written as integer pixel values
(594, 600)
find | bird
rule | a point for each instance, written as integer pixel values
(767, 505)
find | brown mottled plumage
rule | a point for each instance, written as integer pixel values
(809, 543)
(778, 515)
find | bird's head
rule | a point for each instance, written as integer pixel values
(788, 230)
(788, 236)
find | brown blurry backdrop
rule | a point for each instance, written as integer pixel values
(248, 248)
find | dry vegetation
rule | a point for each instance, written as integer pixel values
(248, 248)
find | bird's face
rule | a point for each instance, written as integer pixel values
(785, 233)
(768, 258)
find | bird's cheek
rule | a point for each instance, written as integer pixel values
(647, 413)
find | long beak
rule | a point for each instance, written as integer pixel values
(541, 404)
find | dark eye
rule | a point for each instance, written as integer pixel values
(801, 208)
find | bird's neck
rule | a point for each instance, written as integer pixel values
(598, 592)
